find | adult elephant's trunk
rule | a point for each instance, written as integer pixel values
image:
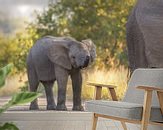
(135, 43)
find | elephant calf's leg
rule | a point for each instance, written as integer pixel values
(62, 94)
(62, 78)
(33, 88)
(49, 94)
(77, 87)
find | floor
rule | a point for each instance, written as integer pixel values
(53, 120)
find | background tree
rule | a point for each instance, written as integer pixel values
(14, 49)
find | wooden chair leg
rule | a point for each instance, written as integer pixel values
(113, 94)
(124, 125)
(160, 98)
(146, 110)
(94, 123)
(98, 92)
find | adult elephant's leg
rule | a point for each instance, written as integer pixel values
(62, 78)
(49, 94)
(77, 87)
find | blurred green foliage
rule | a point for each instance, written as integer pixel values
(101, 20)
(9, 126)
(4, 72)
(17, 99)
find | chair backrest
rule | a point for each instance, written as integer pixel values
(144, 77)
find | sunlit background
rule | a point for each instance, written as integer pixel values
(14, 14)
(22, 22)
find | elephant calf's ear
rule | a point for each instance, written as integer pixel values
(58, 54)
(91, 47)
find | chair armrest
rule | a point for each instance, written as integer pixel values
(98, 87)
(148, 88)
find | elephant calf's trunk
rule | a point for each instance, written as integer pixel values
(86, 62)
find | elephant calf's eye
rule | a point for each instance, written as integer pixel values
(73, 57)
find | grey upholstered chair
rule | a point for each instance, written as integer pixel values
(139, 106)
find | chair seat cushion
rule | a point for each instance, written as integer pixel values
(120, 109)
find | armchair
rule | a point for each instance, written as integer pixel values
(138, 107)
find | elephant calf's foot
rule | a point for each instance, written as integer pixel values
(33, 107)
(51, 107)
(61, 108)
(78, 108)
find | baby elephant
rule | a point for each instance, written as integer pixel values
(55, 58)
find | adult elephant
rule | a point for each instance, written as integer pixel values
(145, 35)
(145, 39)
(55, 58)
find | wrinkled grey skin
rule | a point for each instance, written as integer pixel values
(145, 35)
(145, 38)
(54, 59)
